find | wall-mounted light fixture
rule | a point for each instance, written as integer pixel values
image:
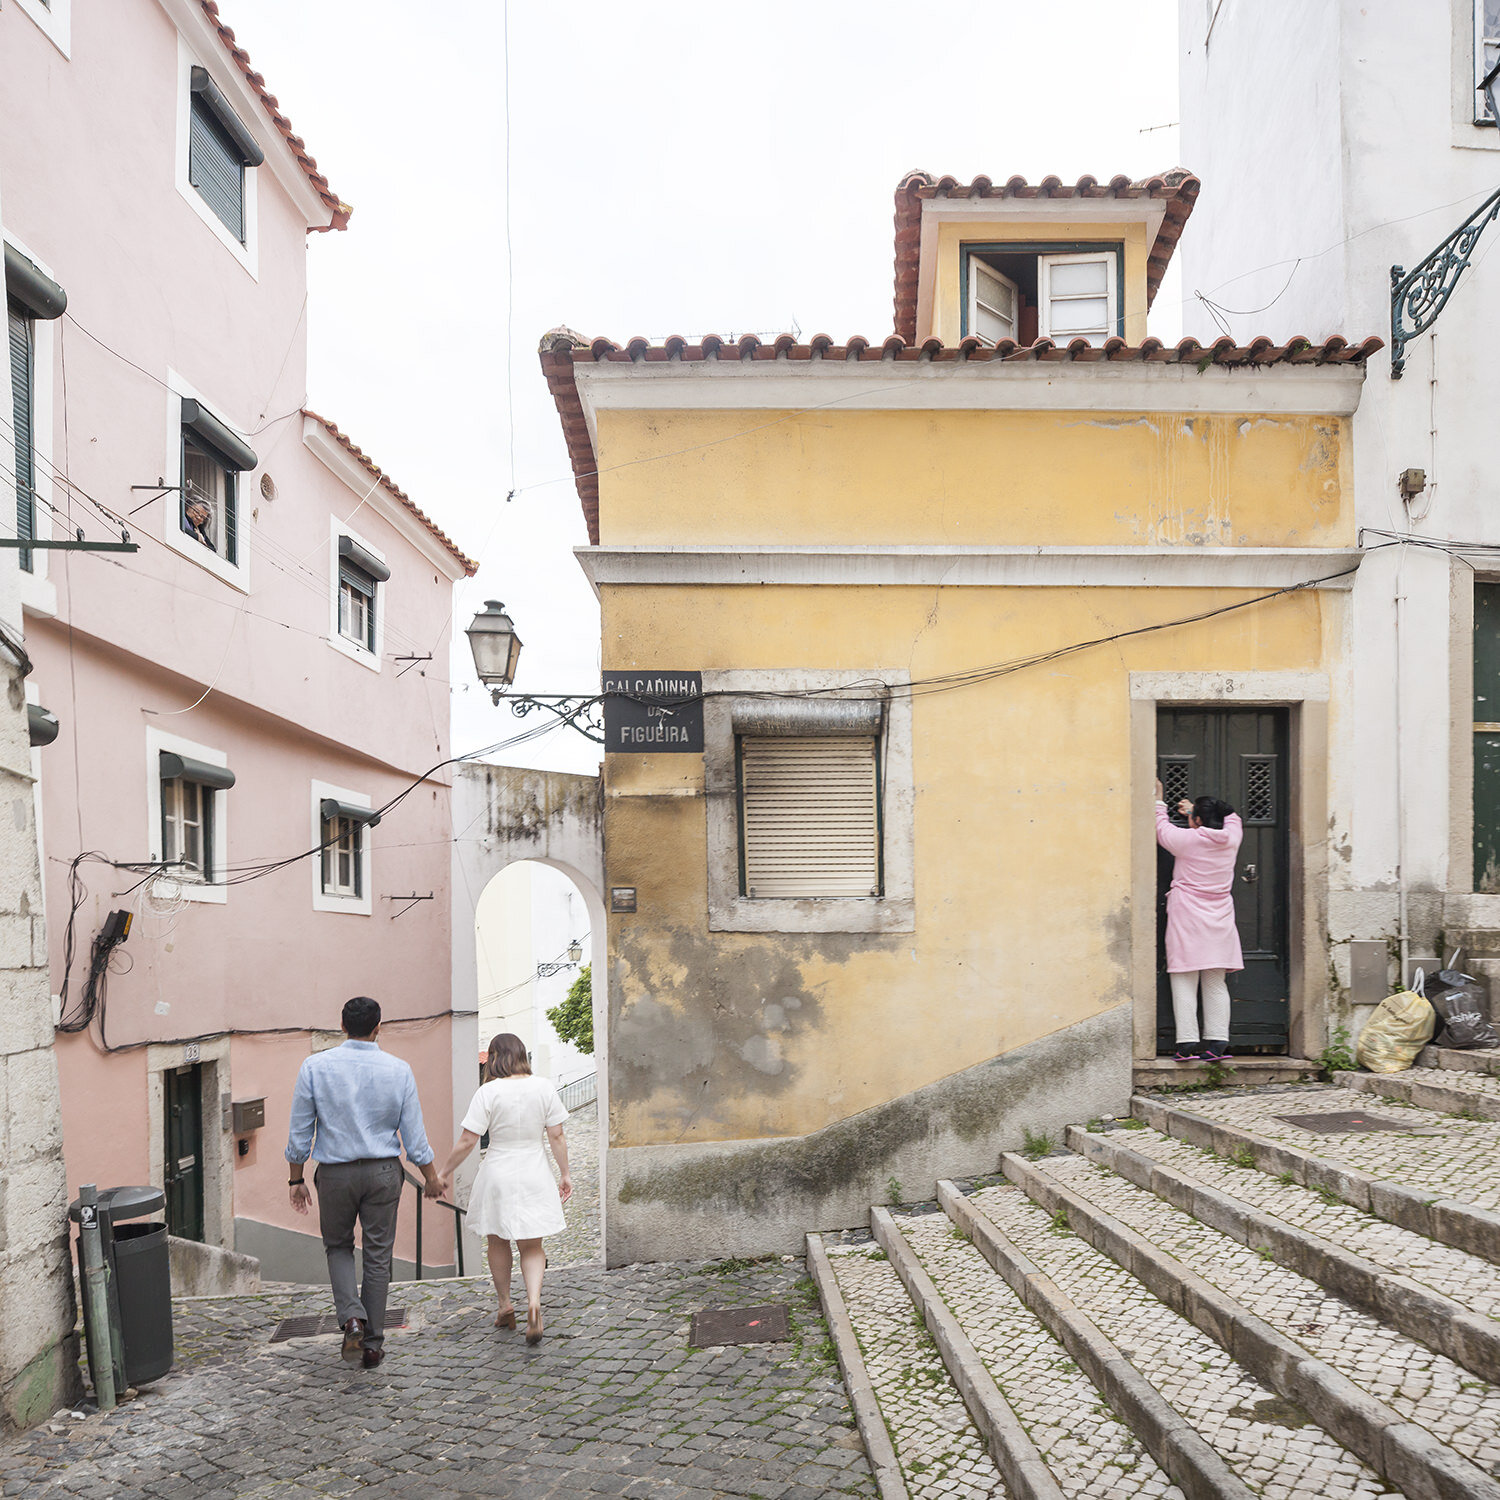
(575, 953)
(497, 651)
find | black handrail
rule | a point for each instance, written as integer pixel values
(453, 1208)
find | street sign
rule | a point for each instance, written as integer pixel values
(653, 712)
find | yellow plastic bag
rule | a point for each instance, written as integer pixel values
(1402, 1025)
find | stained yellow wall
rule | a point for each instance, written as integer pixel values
(1022, 833)
(947, 314)
(972, 478)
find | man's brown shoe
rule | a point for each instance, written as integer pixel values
(354, 1340)
(372, 1357)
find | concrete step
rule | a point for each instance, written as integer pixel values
(1167, 1072)
(917, 1432)
(1470, 1096)
(1411, 1414)
(1436, 1176)
(1454, 1060)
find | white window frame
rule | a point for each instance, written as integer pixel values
(1045, 264)
(977, 264)
(158, 740)
(236, 574)
(728, 910)
(336, 638)
(246, 254)
(54, 20)
(38, 592)
(1480, 117)
(361, 905)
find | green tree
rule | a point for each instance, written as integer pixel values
(573, 1020)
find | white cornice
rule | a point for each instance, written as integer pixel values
(979, 567)
(346, 468)
(192, 23)
(978, 385)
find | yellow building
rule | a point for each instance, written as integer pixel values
(956, 599)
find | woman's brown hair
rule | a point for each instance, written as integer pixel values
(507, 1056)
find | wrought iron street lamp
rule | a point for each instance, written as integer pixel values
(497, 650)
(575, 952)
(1423, 292)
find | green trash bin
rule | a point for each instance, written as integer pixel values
(140, 1282)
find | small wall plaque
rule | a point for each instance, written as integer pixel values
(622, 898)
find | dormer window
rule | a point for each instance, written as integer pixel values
(1024, 292)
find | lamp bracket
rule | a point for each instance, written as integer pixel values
(586, 715)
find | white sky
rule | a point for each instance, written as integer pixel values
(676, 167)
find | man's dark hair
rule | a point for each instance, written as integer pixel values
(361, 1016)
(1210, 812)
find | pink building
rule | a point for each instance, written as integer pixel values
(261, 676)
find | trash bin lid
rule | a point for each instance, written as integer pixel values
(124, 1203)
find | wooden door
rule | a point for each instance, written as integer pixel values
(1240, 755)
(183, 1182)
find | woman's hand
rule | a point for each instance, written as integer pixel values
(565, 1187)
(1160, 790)
(1185, 807)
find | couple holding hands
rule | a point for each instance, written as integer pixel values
(355, 1108)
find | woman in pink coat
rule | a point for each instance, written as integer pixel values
(1203, 944)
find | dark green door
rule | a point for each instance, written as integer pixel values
(184, 1152)
(1239, 754)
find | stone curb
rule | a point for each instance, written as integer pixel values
(1450, 1221)
(1424, 1470)
(1425, 1095)
(879, 1449)
(1457, 1061)
(1445, 1326)
(1024, 1470)
(1176, 1445)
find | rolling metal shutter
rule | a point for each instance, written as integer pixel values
(215, 168)
(21, 385)
(810, 816)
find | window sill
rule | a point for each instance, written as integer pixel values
(236, 575)
(213, 895)
(364, 657)
(350, 906)
(871, 914)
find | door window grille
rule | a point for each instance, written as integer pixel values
(1176, 774)
(1258, 794)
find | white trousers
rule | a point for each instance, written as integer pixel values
(1215, 1005)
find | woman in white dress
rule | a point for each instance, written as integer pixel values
(514, 1196)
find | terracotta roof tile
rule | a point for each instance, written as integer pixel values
(393, 489)
(1178, 187)
(562, 350)
(339, 210)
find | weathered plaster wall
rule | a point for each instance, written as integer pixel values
(973, 477)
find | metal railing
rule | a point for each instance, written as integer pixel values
(458, 1225)
(579, 1092)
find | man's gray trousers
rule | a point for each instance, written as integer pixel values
(369, 1191)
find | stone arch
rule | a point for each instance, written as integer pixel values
(502, 815)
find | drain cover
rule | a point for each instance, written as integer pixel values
(740, 1325)
(1340, 1121)
(306, 1328)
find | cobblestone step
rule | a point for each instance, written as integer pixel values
(1438, 1178)
(1209, 1423)
(1468, 1095)
(1451, 1058)
(1412, 1414)
(917, 1430)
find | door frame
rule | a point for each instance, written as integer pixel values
(218, 1141)
(1305, 695)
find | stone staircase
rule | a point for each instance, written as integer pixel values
(1206, 1299)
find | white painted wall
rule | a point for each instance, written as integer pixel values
(1336, 140)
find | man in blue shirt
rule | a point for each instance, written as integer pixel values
(356, 1107)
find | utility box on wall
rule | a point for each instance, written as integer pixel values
(249, 1114)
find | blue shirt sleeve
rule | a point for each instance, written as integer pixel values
(299, 1137)
(413, 1137)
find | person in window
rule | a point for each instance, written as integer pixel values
(514, 1196)
(1203, 943)
(197, 521)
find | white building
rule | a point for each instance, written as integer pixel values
(1337, 140)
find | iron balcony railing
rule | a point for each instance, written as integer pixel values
(579, 1092)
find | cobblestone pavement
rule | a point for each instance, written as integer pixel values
(941, 1455)
(579, 1243)
(1276, 1449)
(1466, 1278)
(1090, 1452)
(613, 1402)
(1426, 1388)
(1453, 1156)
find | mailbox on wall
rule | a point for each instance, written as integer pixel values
(249, 1114)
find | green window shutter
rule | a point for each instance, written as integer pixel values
(215, 168)
(22, 384)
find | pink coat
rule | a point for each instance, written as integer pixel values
(1200, 905)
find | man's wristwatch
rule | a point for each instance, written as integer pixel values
(296, 1182)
